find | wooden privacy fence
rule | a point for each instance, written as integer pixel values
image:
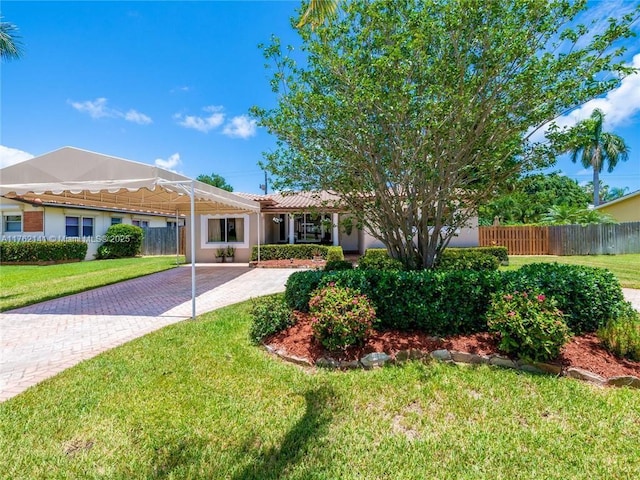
(594, 239)
(162, 241)
(565, 239)
(524, 240)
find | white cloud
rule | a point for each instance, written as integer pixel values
(11, 156)
(240, 127)
(184, 88)
(98, 109)
(619, 105)
(169, 164)
(202, 124)
(137, 117)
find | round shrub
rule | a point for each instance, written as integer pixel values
(269, 315)
(530, 325)
(341, 317)
(121, 241)
(334, 254)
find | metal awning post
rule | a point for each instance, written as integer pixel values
(193, 250)
(177, 239)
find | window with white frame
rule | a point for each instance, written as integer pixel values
(225, 230)
(79, 226)
(116, 220)
(140, 223)
(12, 223)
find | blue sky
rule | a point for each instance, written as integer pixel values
(171, 83)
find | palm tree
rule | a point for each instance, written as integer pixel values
(9, 44)
(595, 148)
(317, 12)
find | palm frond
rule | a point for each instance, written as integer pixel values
(318, 12)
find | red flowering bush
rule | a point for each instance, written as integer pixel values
(529, 324)
(341, 317)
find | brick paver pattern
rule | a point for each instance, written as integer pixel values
(41, 340)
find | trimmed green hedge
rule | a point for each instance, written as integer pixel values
(378, 259)
(467, 259)
(472, 258)
(446, 302)
(438, 302)
(42, 251)
(287, 251)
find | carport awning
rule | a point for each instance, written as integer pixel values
(77, 177)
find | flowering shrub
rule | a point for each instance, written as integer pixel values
(530, 325)
(341, 317)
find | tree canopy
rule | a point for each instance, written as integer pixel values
(215, 180)
(530, 198)
(417, 112)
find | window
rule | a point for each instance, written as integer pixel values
(313, 228)
(116, 220)
(73, 226)
(87, 227)
(13, 223)
(225, 230)
(141, 223)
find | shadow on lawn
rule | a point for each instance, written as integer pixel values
(296, 443)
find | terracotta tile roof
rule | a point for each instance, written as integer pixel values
(295, 201)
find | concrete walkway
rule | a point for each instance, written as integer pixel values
(632, 295)
(41, 340)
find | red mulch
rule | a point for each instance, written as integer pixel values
(584, 351)
(291, 263)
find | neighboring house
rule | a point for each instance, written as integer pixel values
(72, 193)
(30, 219)
(623, 209)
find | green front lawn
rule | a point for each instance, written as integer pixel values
(26, 284)
(195, 400)
(625, 267)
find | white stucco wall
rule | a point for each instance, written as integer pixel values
(206, 252)
(465, 237)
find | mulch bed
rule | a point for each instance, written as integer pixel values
(584, 351)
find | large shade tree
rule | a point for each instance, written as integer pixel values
(416, 112)
(595, 148)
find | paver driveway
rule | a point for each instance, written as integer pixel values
(41, 340)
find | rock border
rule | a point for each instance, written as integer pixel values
(379, 359)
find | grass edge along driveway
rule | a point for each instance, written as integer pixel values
(24, 285)
(196, 400)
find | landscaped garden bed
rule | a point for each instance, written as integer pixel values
(546, 318)
(586, 352)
